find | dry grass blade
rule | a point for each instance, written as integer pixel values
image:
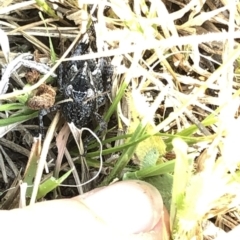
(5, 45)
(42, 160)
(10, 162)
(16, 6)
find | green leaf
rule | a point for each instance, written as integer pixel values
(164, 184)
(43, 5)
(51, 184)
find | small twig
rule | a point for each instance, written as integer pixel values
(11, 67)
(22, 60)
(3, 169)
(194, 120)
(41, 67)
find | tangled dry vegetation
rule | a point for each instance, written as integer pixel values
(172, 114)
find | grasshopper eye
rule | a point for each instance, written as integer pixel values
(68, 91)
(90, 93)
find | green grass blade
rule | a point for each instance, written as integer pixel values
(125, 156)
(24, 116)
(51, 184)
(52, 52)
(11, 106)
(166, 167)
(115, 102)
